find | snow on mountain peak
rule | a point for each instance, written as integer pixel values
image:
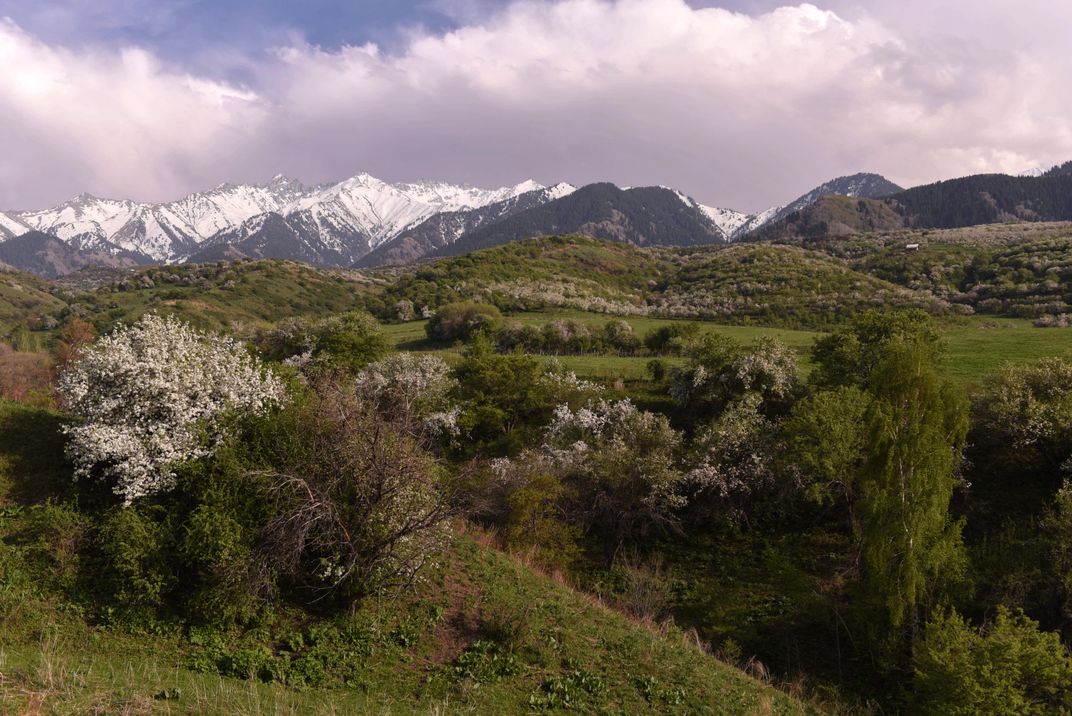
(359, 206)
(559, 190)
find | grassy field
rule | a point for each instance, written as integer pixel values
(976, 346)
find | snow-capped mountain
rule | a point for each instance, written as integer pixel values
(332, 215)
(11, 226)
(365, 220)
(445, 228)
(732, 224)
(864, 185)
(162, 232)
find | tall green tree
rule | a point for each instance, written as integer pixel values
(911, 547)
(851, 355)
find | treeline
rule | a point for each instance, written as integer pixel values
(560, 336)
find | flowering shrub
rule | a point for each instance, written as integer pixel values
(618, 463)
(733, 460)
(151, 395)
(719, 371)
(414, 389)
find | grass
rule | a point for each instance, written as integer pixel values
(976, 346)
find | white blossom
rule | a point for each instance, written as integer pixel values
(150, 395)
(415, 388)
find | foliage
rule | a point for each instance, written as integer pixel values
(507, 399)
(719, 371)
(732, 463)
(1008, 666)
(360, 507)
(414, 391)
(71, 340)
(152, 395)
(461, 321)
(567, 336)
(349, 341)
(621, 465)
(826, 441)
(910, 545)
(25, 377)
(671, 338)
(1056, 558)
(1027, 412)
(850, 355)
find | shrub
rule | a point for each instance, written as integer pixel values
(153, 394)
(460, 321)
(826, 437)
(135, 545)
(719, 371)
(507, 399)
(671, 339)
(1027, 410)
(732, 463)
(360, 507)
(25, 377)
(619, 336)
(413, 389)
(849, 356)
(1008, 666)
(621, 465)
(348, 340)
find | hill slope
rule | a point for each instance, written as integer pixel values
(483, 634)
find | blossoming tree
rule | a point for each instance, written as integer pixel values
(151, 395)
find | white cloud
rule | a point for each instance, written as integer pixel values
(734, 109)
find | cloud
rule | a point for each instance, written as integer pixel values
(737, 110)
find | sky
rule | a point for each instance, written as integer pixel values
(739, 103)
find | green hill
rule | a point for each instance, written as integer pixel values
(562, 271)
(778, 285)
(219, 295)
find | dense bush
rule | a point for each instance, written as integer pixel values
(461, 321)
(348, 340)
(606, 468)
(360, 505)
(1006, 667)
(672, 338)
(507, 399)
(849, 355)
(719, 371)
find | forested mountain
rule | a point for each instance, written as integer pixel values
(832, 216)
(864, 186)
(648, 216)
(45, 255)
(987, 199)
(956, 203)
